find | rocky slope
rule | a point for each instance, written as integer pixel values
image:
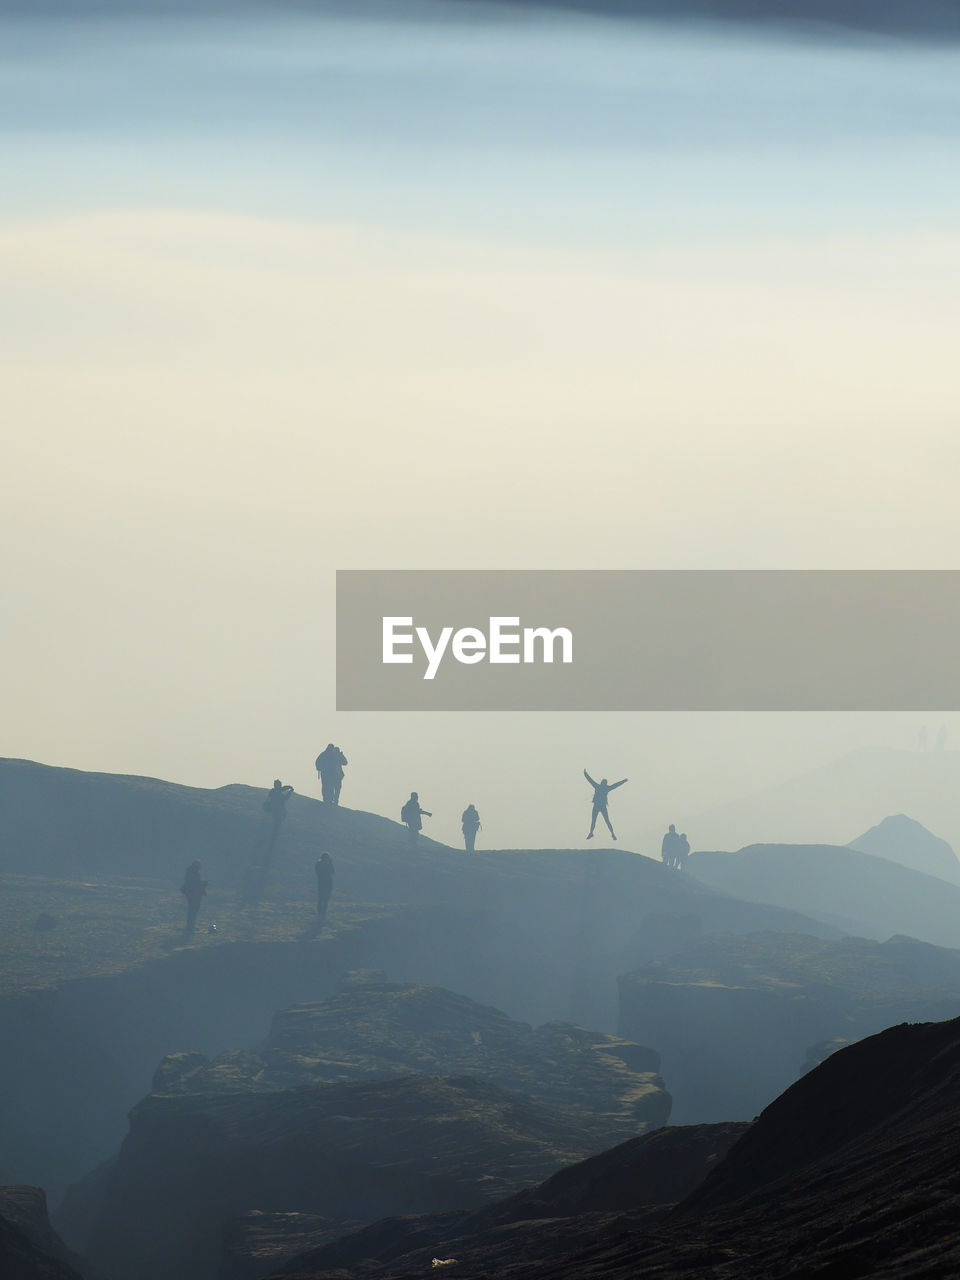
(850, 1173)
(192, 1163)
(327, 1120)
(30, 1249)
(257, 1244)
(541, 934)
(388, 1029)
(657, 1169)
(737, 1018)
(68, 825)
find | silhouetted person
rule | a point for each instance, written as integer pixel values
(276, 801)
(683, 851)
(942, 738)
(470, 825)
(668, 847)
(324, 870)
(411, 813)
(601, 790)
(330, 763)
(193, 889)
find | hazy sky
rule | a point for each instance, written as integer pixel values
(284, 296)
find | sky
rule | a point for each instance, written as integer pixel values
(282, 294)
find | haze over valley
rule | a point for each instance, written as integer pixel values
(288, 288)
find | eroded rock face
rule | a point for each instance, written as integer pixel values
(258, 1243)
(538, 933)
(658, 1168)
(850, 1173)
(391, 1029)
(356, 1151)
(655, 1170)
(387, 1099)
(30, 1249)
(735, 1018)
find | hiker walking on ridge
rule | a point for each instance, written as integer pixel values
(254, 878)
(276, 802)
(330, 763)
(411, 813)
(276, 806)
(323, 868)
(670, 847)
(470, 825)
(193, 889)
(601, 790)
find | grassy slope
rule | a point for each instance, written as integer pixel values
(105, 926)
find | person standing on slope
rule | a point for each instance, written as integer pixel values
(601, 790)
(323, 867)
(276, 802)
(470, 825)
(330, 763)
(411, 813)
(669, 847)
(193, 889)
(683, 851)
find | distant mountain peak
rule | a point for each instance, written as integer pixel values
(900, 838)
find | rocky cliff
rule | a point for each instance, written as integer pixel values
(735, 1018)
(389, 1029)
(93, 1005)
(328, 1120)
(850, 1173)
(30, 1249)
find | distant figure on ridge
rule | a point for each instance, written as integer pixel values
(941, 739)
(324, 871)
(276, 802)
(470, 825)
(601, 790)
(411, 813)
(683, 851)
(330, 763)
(669, 847)
(193, 889)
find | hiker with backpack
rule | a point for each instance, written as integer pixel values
(330, 764)
(601, 790)
(411, 813)
(276, 802)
